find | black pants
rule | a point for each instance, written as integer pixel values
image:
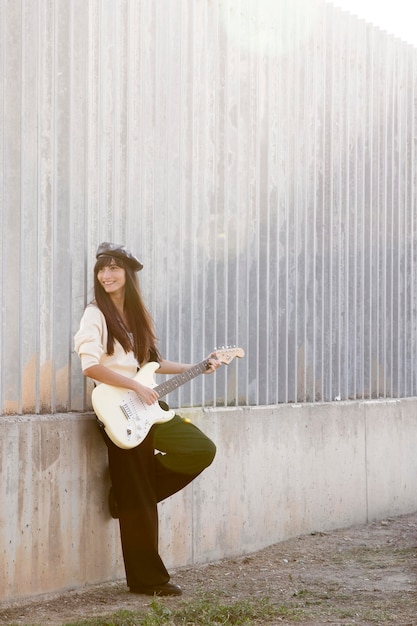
(141, 479)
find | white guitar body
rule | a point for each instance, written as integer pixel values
(130, 419)
(126, 418)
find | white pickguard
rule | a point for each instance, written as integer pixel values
(126, 418)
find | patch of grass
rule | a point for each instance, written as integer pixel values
(121, 618)
(361, 555)
(373, 557)
(375, 616)
(208, 609)
(378, 616)
(204, 610)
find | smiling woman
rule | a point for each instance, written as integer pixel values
(112, 279)
(116, 338)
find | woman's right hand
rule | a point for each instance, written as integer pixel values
(147, 394)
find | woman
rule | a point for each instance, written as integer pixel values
(115, 338)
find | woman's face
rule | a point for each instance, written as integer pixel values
(112, 278)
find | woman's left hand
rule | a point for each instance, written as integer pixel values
(214, 363)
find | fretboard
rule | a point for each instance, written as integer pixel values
(181, 379)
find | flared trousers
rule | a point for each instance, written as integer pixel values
(141, 478)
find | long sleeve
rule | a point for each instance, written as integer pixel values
(90, 343)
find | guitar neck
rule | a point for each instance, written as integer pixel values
(181, 379)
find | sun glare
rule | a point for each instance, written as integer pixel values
(396, 18)
(268, 27)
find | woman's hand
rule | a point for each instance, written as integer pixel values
(147, 394)
(213, 362)
(171, 367)
(105, 375)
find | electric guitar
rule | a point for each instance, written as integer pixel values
(126, 418)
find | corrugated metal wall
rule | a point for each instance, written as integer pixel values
(259, 155)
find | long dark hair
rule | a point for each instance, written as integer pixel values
(139, 336)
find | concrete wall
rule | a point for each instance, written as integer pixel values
(280, 471)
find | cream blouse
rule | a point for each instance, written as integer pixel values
(90, 343)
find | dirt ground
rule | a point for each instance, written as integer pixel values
(364, 575)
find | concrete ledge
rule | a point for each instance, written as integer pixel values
(280, 471)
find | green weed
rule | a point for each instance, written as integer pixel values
(210, 609)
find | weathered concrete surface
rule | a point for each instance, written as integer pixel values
(280, 471)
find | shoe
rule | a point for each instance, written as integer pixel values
(167, 589)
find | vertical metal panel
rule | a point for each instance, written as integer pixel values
(11, 196)
(259, 156)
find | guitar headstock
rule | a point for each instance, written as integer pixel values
(226, 355)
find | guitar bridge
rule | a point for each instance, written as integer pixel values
(129, 414)
(127, 410)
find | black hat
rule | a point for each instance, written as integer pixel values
(119, 252)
